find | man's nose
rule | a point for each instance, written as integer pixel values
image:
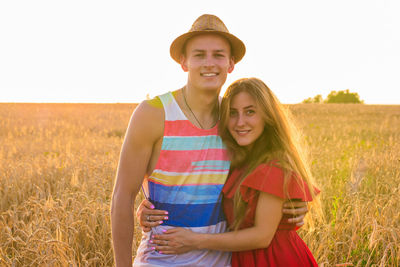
(209, 60)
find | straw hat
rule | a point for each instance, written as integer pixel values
(208, 24)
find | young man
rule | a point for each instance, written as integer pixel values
(172, 147)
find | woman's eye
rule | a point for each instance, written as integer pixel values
(232, 113)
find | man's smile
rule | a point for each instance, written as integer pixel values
(209, 74)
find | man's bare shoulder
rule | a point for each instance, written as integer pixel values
(147, 120)
(154, 102)
(152, 108)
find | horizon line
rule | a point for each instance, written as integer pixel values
(136, 103)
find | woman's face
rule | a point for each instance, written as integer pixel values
(245, 122)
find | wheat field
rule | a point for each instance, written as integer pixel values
(58, 163)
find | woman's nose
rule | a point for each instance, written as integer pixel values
(240, 120)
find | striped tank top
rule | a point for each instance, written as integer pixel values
(187, 182)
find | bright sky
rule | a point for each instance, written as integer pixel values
(118, 51)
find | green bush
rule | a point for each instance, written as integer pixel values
(343, 97)
(335, 97)
(315, 99)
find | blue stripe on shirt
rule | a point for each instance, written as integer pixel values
(195, 215)
(192, 142)
(188, 194)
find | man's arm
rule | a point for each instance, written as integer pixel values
(144, 130)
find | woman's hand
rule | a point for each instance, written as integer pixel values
(149, 217)
(297, 209)
(175, 241)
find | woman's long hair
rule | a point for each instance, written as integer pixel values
(278, 142)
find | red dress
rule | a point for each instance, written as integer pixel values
(286, 248)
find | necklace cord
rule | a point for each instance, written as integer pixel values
(184, 98)
(187, 105)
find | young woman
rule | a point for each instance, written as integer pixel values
(267, 168)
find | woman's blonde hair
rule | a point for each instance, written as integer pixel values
(279, 141)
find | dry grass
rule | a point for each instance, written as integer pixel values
(58, 163)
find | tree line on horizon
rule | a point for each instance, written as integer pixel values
(344, 96)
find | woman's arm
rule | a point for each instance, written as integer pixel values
(267, 217)
(149, 217)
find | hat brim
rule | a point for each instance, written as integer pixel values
(238, 49)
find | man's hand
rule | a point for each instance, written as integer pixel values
(149, 217)
(297, 209)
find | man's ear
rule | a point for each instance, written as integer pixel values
(184, 63)
(231, 65)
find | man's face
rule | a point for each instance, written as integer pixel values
(208, 61)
